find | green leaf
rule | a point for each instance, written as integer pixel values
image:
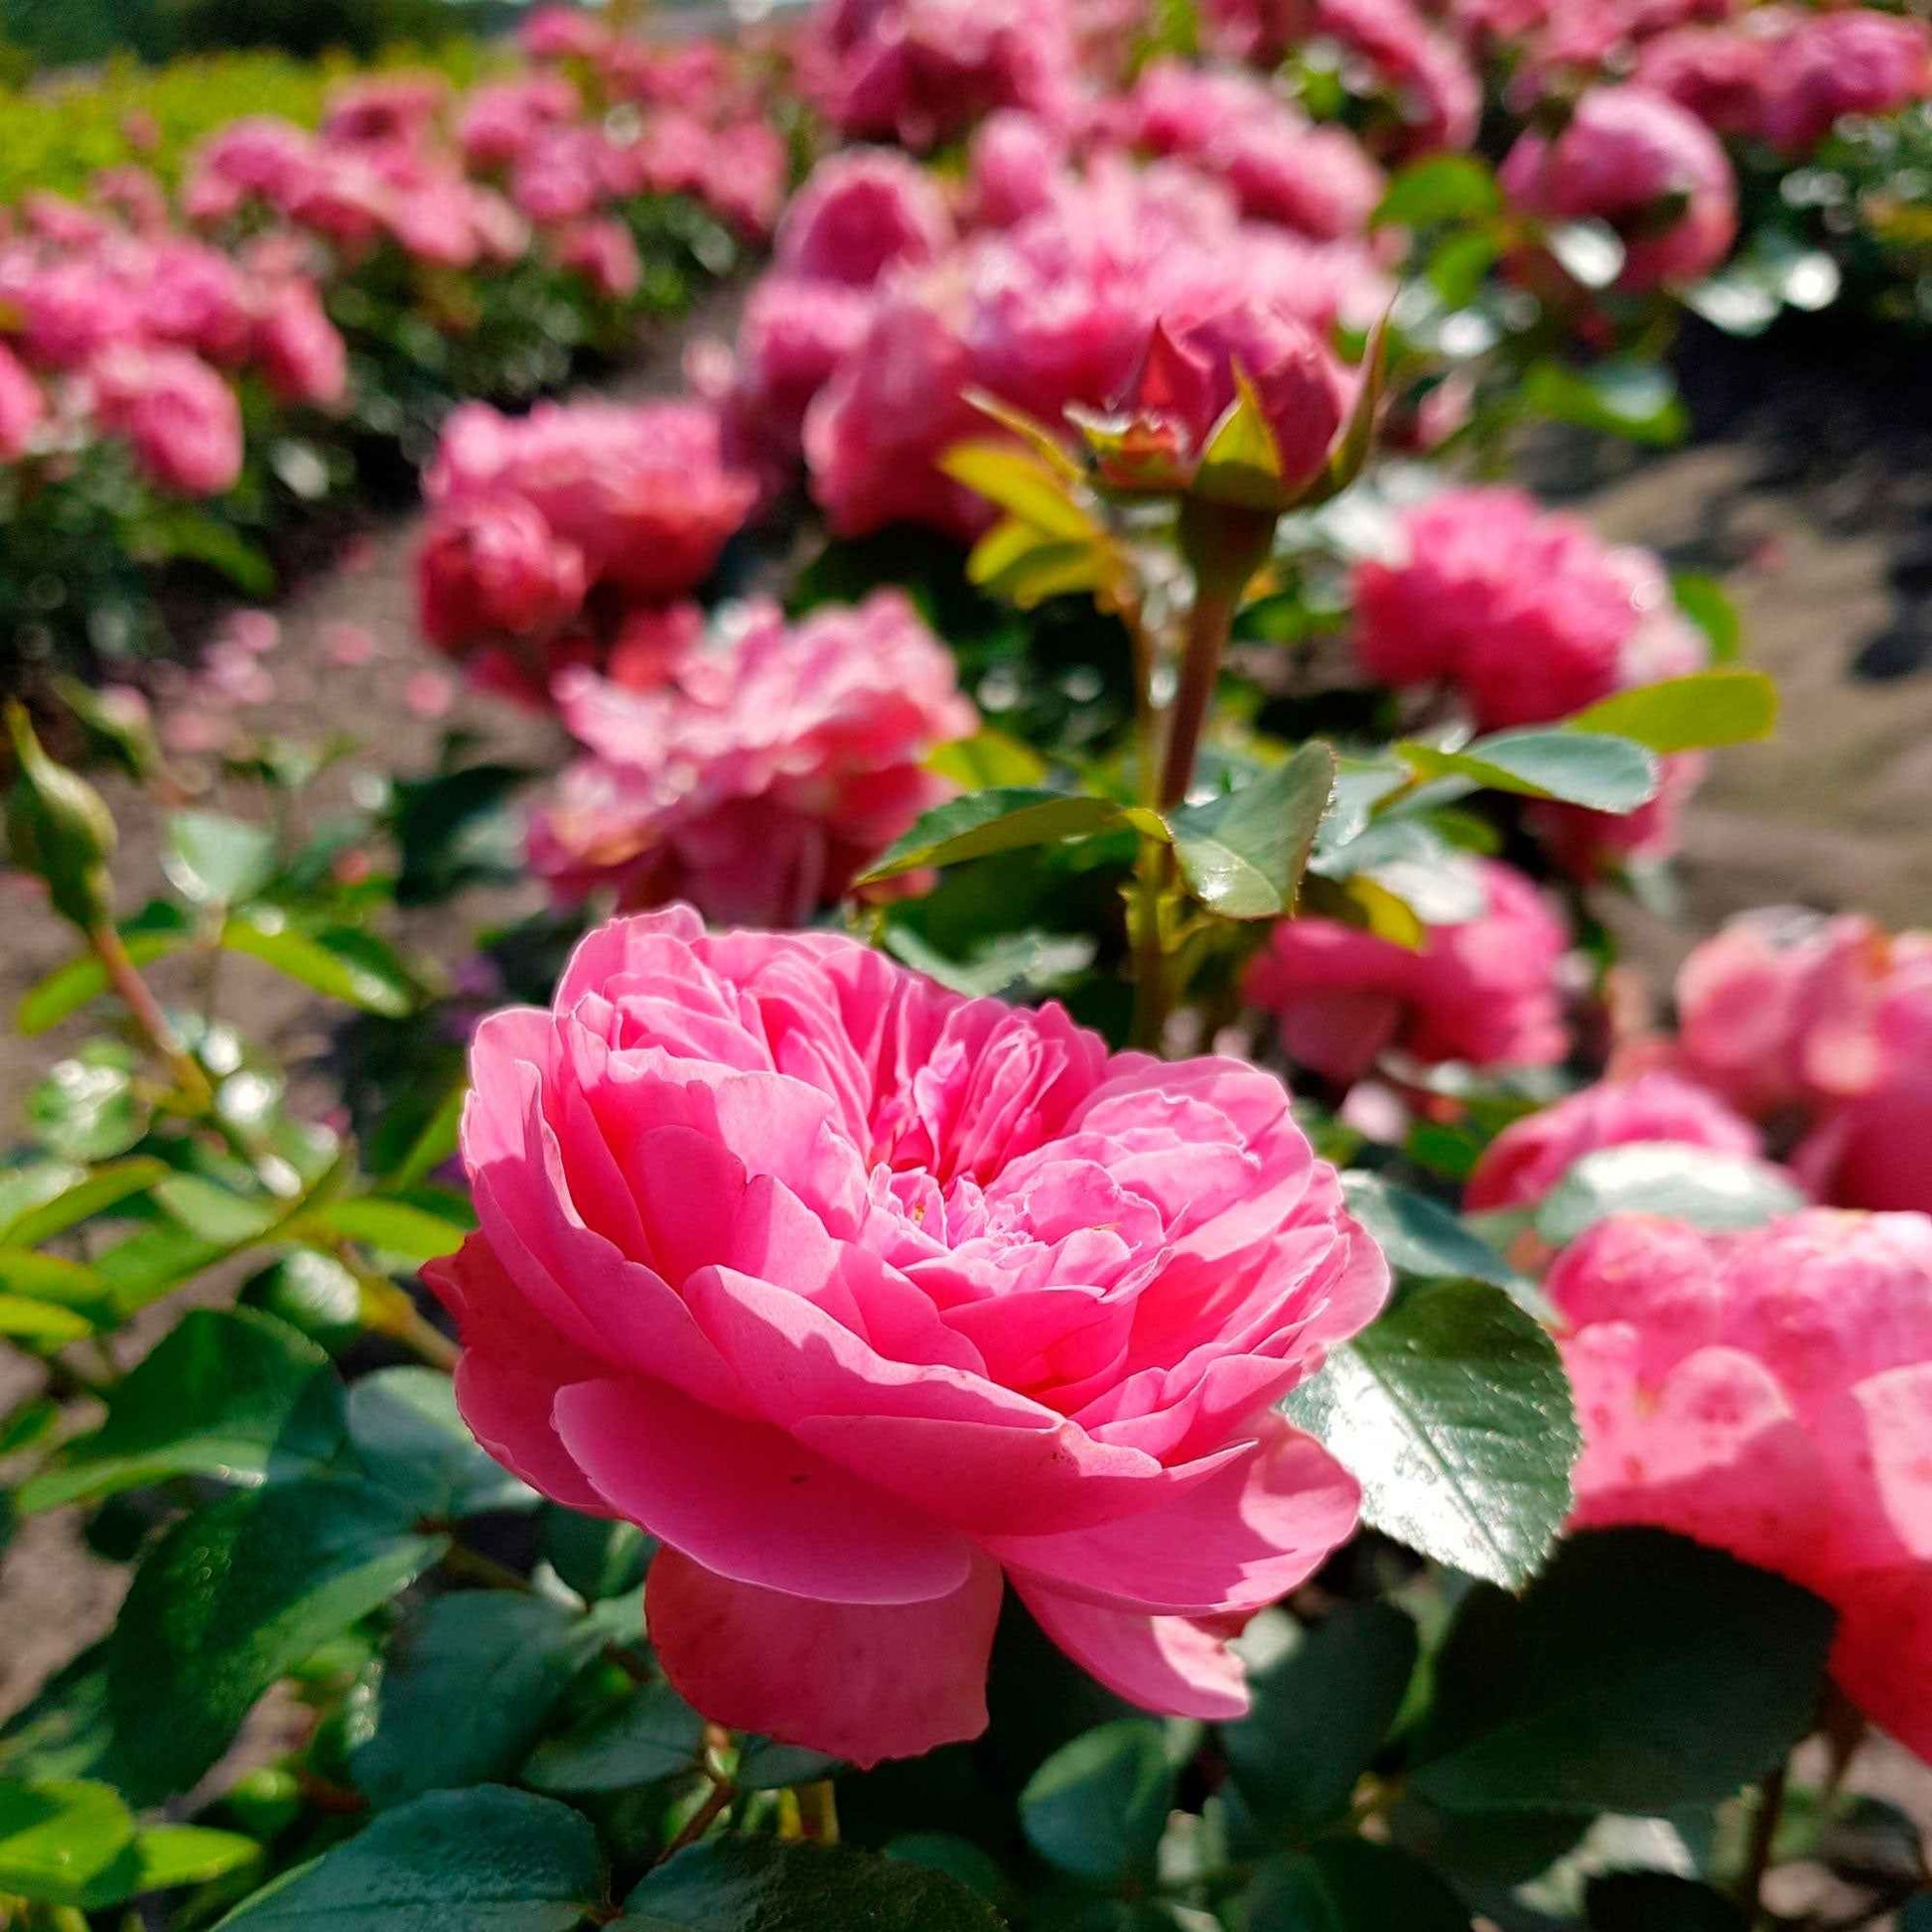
(148, 1264)
(89, 1195)
(1244, 852)
(987, 759)
(226, 1394)
(1024, 484)
(1319, 1714)
(764, 1764)
(1097, 1808)
(60, 1840)
(465, 1688)
(313, 1293)
(230, 1599)
(217, 1215)
(1718, 1191)
(30, 1187)
(1656, 1901)
(216, 860)
(1347, 1884)
(1688, 714)
(393, 1226)
(43, 1324)
(482, 1860)
(1454, 1413)
(153, 933)
(166, 532)
(736, 1884)
(1420, 1236)
(1641, 1673)
(1636, 400)
(1708, 604)
(652, 1734)
(340, 963)
(1916, 1914)
(1606, 774)
(87, 1108)
(169, 1855)
(1016, 561)
(1005, 819)
(1444, 188)
(1241, 462)
(596, 1556)
(412, 1443)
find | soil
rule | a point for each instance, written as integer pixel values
(1806, 486)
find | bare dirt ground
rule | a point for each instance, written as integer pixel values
(1806, 487)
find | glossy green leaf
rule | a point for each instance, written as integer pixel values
(169, 1855)
(1640, 1673)
(764, 1764)
(30, 1187)
(1018, 562)
(1688, 714)
(1024, 484)
(88, 1108)
(1444, 188)
(91, 1194)
(411, 1443)
(1657, 1901)
(1606, 774)
(482, 1860)
(466, 1685)
(216, 860)
(1096, 1808)
(226, 1394)
(1420, 1236)
(313, 1293)
(736, 1884)
(1320, 1713)
(1454, 1413)
(1347, 1884)
(153, 933)
(1710, 1190)
(229, 1601)
(650, 1733)
(393, 1226)
(1005, 819)
(598, 1557)
(1636, 400)
(1243, 853)
(340, 964)
(60, 1840)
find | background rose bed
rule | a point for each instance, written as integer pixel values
(939, 1437)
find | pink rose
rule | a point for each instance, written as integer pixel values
(301, 356)
(758, 778)
(642, 490)
(1529, 615)
(258, 158)
(864, 1299)
(501, 118)
(490, 568)
(22, 407)
(1718, 73)
(860, 214)
(1630, 158)
(1529, 1156)
(1015, 158)
(1436, 89)
(134, 195)
(792, 337)
(71, 312)
(745, 177)
(181, 419)
(384, 109)
(1859, 61)
(195, 297)
(602, 252)
(564, 32)
(1770, 1393)
(1486, 991)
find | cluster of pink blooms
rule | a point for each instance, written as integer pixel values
(868, 1301)
(1770, 1393)
(864, 344)
(129, 328)
(754, 772)
(1528, 618)
(1485, 992)
(1821, 1027)
(549, 531)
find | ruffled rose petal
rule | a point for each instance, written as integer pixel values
(752, 1504)
(1164, 1664)
(861, 1683)
(1896, 1409)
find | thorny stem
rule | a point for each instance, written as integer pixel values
(138, 997)
(1764, 1830)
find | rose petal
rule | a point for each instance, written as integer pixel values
(1164, 1664)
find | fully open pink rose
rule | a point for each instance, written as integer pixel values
(1649, 167)
(754, 778)
(1770, 1393)
(1529, 1156)
(1486, 991)
(861, 1296)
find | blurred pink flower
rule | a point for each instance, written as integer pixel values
(301, 356)
(1437, 93)
(1771, 1394)
(179, 418)
(758, 776)
(22, 407)
(1718, 73)
(491, 567)
(1648, 168)
(1487, 992)
(1857, 62)
(1529, 1156)
(858, 214)
(602, 252)
(1013, 163)
(863, 1297)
